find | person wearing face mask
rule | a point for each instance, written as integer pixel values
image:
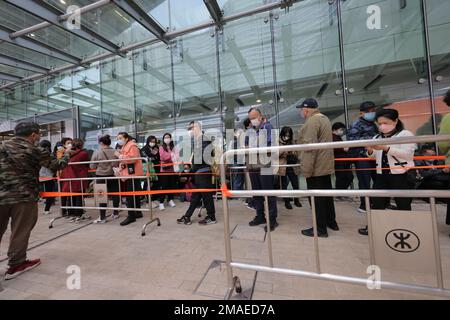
(343, 173)
(105, 169)
(364, 128)
(288, 173)
(20, 162)
(72, 172)
(317, 165)
(128, 170)
(261, 175)
(151, 152)
(168, 155)
(202, 175)
(392, 162)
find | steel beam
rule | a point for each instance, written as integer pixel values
(15, 63)
(51, 15)
(131, 8)
(39, 47)
(214, 10)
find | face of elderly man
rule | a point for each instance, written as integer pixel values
(255, 117)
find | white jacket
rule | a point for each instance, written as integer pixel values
(403, 152)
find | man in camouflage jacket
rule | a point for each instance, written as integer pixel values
(20, 162)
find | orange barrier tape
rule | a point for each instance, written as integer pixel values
(373, 159)
(124, 193)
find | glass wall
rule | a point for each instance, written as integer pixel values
(271, 59)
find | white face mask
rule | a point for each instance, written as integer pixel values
(69, 145)
(255, 122)
(152, 144)
(167, 140)
(339, 133)
(186, 170)
(120, 142)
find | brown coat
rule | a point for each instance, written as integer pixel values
(316, 163)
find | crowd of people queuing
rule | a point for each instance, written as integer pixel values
(25, 158)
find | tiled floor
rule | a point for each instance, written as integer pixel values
(184, 262)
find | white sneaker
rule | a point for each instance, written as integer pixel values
(161, 206)
(172, 204)
(46, 213)
(114, 216)
(155, 204)
(361, 211)
(99, 220)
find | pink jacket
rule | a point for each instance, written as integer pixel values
(168, 156)
(130, 150)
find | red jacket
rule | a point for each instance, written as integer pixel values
(75, 171)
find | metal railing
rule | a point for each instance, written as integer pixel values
(149, 207)
(234, 281)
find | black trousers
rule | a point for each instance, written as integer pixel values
(325, 212)
(73, 201)
(202, 181)
(49, 186)
(168, 182)
(112, 185)
(293, 178)
(365, 177)
(263, 182)
(393, 182)
(154, 185)
(344, 177)
(133, 201)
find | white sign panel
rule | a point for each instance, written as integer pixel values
(403, 240)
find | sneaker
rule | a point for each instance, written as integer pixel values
(83, 217)
(172, 204)
(114, 216)
(256, 222)
(100, 220)
(46, 213)
(72, 219)
(184, 220)
(363, 231)
(155, 204)
(161, 207)
(207, 220)
(361, 211)
(21, 268)
(248, 205)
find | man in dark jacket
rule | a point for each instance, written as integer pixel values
(364, 128)
(202, 177)
(20, 162)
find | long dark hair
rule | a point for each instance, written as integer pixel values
(285, 131)
(164, 145)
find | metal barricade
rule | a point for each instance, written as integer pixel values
(234, 281)
(118, 179)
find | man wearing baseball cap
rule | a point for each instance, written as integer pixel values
(317, 165)
(364, 128)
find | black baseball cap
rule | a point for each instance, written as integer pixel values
(308, 103)
(367, 105)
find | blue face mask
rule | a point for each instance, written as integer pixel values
(369, 116)
(120, 142)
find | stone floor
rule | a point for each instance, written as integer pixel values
(186, 262)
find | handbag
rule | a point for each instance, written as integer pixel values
(413, 176)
